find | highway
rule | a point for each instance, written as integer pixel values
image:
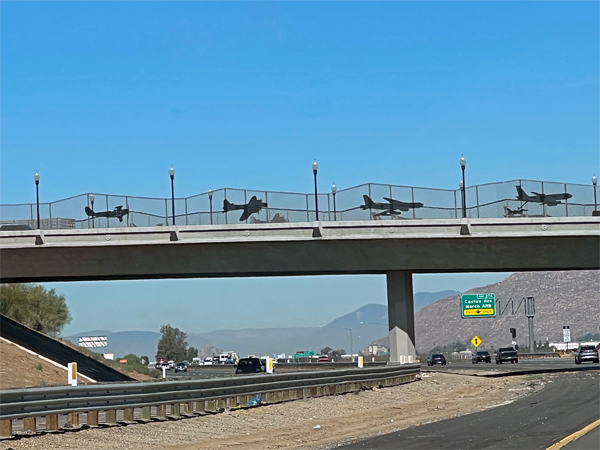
(538, 365)
(535, 365)
(567, 403)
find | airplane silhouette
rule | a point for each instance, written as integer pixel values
(546, 199)
(276, 219)
(118, 212)
(519, 212)
(253, 206)
(391, 208)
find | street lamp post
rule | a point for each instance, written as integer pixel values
(461, 188)
(172, 175)
(92, 198)
(36, 178)
(210, 195)
(315, 168)
(595, 182)
(334, 191)
(463, 163)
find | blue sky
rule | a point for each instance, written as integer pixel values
(105, 96)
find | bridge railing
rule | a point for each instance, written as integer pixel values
(482, 201)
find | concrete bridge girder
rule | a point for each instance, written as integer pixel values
(397, 248)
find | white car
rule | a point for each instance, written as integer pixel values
(208, 361)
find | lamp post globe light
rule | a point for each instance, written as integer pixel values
(315, 168)
(334, 191)
(172, 175)
(210, 196)
(595, 182)
(463, 164)
(92, 198)
(36, 178)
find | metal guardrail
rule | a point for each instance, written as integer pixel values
(196, 395)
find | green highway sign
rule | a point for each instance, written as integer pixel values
(478, 305)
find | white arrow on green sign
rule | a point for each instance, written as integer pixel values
(478, 305)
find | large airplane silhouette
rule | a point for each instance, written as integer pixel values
(546, 199)
(118, 212)
(253, 206)
(391, 208)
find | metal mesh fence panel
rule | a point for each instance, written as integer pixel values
(24, 213)
(506, 199)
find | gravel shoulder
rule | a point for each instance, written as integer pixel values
(314, 423)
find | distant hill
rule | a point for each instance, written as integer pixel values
(367, 323)
(422, 299)
(561, 298)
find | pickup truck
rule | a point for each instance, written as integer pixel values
(507, 354)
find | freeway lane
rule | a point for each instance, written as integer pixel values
(567, 403)
(538, 364)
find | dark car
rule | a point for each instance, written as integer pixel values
(249, 365)
(181, 367)
(436, 358)
(507, 354)
(586, 352)
(481, 356)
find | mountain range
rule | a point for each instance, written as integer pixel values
(364, 325)
(561, 298)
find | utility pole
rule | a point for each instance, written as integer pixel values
(530, 312)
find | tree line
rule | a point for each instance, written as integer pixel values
(173, 345)
(35, 307)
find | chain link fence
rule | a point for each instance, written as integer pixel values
(365, 202)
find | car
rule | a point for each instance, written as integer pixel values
(586, 352)
(481, 356)
(507, 354)
(323, 359)
(229, 361)
(181, 367)
(249, 365)
(160, 363)
(436, 358)
(207, 362)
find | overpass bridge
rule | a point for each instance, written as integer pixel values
(394, 248)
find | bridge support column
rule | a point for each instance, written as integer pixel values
(401, 314)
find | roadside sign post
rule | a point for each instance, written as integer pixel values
(72, 375)
(478, 305)
(567, 335)
(360, 362)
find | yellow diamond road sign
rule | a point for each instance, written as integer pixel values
(476, 341)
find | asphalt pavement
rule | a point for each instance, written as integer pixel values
(535, 365)
(568, 402)
(589, 441)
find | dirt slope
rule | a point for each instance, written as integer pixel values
(19, 369)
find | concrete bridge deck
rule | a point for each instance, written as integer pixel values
(317, 248)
